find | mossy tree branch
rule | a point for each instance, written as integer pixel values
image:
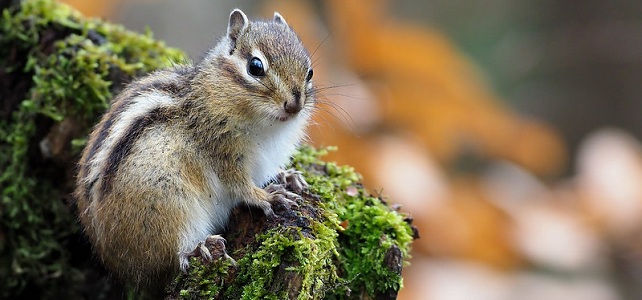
(338, 242)
(58, 71)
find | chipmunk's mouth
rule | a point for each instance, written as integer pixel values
(284, 116)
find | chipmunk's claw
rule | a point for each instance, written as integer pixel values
(212, 248)
(293, 180)
(279, 194)
(286, 189)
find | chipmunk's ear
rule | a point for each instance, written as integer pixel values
(238, 22)
(279, 19)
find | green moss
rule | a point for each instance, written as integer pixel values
(370, 226)
(205, 281)
(309, 255)
(63, 66)
(340, 255)
(311, 259)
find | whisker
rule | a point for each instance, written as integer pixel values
(325, 122)
(340, 118)
(334, 86)
(320, 44)
(345, 96)
(345, 116)
(318, 58)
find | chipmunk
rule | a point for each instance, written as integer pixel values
(179, 149)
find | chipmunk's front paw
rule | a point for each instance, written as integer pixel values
(212, 248)
(280, 195)
(287, 188)
(293, 180)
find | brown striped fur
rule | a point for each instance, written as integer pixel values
(181, 147)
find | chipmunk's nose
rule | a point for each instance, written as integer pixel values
(293, 105)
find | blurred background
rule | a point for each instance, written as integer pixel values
(508, 129)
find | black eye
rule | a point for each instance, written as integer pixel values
(255, 67)
(310, 73)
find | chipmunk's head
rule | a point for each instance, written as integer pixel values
(268, 62)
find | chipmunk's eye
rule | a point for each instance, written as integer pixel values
(310, 73)
(255, 67)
